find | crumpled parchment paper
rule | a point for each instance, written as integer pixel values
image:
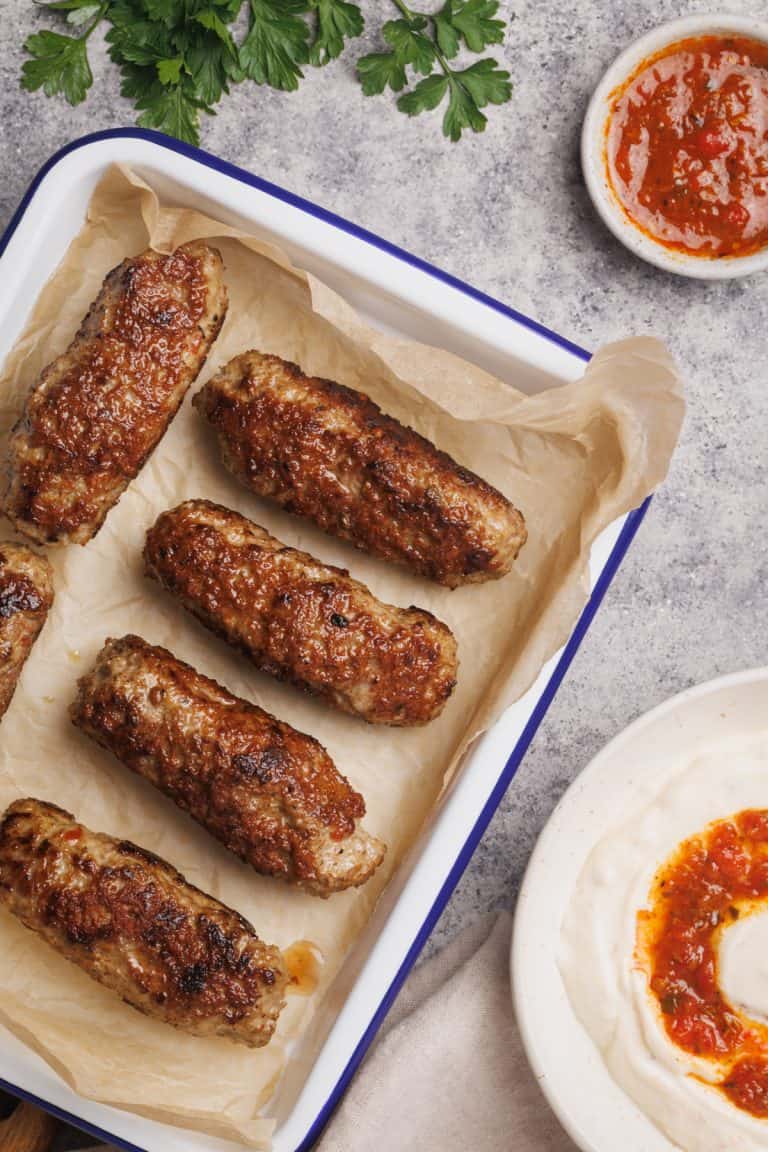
(573, 458)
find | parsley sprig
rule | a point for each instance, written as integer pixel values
(426, 44)
(59, 63)
(178, 58)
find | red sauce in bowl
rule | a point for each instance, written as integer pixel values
(687, 146)
(710, 881)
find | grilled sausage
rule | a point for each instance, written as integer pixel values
(133, 923)
(26, 595)
(266, 791)
(99, 410)
(300, 620)
(329, 453)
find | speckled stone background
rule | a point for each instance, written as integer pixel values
(508, 212)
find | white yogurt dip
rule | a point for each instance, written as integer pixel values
(607, 989)
(743, 965)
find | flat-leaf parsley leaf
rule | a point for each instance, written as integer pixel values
(277, 43)
(59, 65)
(337, 21)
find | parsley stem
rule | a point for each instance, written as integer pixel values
(404, 9)
(442, 60)
(96, 20)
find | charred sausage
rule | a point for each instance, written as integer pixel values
(99, 410)
(26, 595)
(300, 620)
(133, 923)
(330, 454)
(269, 793)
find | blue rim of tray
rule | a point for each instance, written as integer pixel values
(620, 548)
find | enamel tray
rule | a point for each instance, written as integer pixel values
(398, 293)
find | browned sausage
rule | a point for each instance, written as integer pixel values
(133, 923)
(269, 793)
(101, 408)
(329, 453)
(300, 620)
(26, 595)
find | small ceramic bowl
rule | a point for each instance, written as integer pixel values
(593, 149)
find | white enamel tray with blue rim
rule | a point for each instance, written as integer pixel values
(398, 293)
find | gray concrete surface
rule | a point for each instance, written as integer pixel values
(508, 211)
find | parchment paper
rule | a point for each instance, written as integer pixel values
(572, 458)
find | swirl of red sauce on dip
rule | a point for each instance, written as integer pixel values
(709, 882)
(687, 146)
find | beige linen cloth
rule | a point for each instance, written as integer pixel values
(448, 1072)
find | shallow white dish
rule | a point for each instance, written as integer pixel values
(399, 293)
(593, 148)
(595, 1111)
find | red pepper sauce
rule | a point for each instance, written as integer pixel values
(687, 146)
(710, 881)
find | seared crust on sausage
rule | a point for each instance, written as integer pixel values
(300, 620)
(133, 923)
(269, 793)
(329, 453)
(26, 595)
(100, 409)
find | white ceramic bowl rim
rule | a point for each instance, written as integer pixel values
(592, 149)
